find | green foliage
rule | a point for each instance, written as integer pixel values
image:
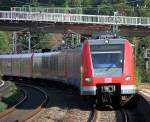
(137, 74)
(147, 3)
(12, 98)
(75, 3)
(44, 41)
(124, 7)
(106, 9)
(142, 74)
(88, 3)
(9, 97)
(38, 41)
(3, 106)
(4, 41)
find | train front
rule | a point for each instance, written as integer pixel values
(107, 69)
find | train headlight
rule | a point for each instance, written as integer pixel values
(127, 78)
(106, 41)
(88, 79)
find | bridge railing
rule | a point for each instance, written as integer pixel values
(73, 10)
(74, 18)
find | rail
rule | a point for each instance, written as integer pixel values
(74, 18)
(93, 115)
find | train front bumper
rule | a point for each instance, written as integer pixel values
(125, 90)
(128, 89)
(88, 90)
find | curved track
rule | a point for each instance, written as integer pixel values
(36, 98)
(4, 85)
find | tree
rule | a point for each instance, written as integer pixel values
(7, 4)
(74, 3)
(146, 8)
(38, 41)
(88, 3)
(4, 41)
(44, 41)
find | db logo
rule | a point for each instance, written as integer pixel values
(108, 80)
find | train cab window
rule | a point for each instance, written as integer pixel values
(107, 62)
(107, 59)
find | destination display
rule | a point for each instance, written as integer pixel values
(106, 47)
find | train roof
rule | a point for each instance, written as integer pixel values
(45, 54)
(5, 56)
(29, 55)
(106, 41)
(16, 56)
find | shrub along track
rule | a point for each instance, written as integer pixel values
(12, 108)
(9, 96)
(35, 98)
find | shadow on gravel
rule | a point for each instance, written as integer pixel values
(105, 108)
(132, 112)
(67, 96)
(59, 95)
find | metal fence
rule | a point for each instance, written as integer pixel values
(74, 10)
(74, 18)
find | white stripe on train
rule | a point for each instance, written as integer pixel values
(125, 89)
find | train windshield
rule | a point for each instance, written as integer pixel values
(107, 63)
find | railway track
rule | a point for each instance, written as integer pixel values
(35, 100)
(72, 114)
(97, 115)
(68, 112)
(92, 116)
(1, 83)
(4, 85)
(66, 106)
(124, 114)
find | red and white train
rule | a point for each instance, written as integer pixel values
(102, 67)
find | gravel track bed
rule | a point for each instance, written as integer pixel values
(144, 86)
(76, 115)
(116, 116)
(67, 106)
(63, 106)
(106, 116)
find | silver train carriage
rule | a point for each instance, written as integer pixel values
(62, 66)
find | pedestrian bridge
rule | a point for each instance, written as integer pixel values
(61, 21)
(74, 18)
